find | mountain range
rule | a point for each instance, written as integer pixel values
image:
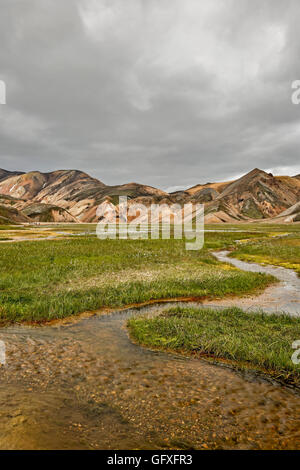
(74, 196)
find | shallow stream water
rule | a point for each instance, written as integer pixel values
(85, 385)
(278, 298)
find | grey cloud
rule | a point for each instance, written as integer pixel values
(163, 93)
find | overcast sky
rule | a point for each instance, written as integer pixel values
(162, 92)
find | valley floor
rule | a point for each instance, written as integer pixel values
(85, 385)
(66, 270)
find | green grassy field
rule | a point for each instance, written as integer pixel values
(54, 279)
(280, 252)
(256, 341)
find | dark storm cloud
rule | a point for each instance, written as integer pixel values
(160, 92)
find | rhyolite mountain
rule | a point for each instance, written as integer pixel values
(292, 214)
(74, 196)
(4, 174)
(256, 195)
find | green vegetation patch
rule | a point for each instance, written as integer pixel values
(280, 252)
(54, 279)
(248, 340)
(250, 209)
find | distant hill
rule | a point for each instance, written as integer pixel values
(292, 214)
(256, 195)
(4, 174)
(74, 196)
(9, 214)
(74, 191)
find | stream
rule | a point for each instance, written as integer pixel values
(278, 298)
(85, 385)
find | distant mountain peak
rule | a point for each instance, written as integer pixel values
(256, 172)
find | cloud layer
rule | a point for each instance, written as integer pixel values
(159, 92)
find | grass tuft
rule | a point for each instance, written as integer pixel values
(248, 340)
